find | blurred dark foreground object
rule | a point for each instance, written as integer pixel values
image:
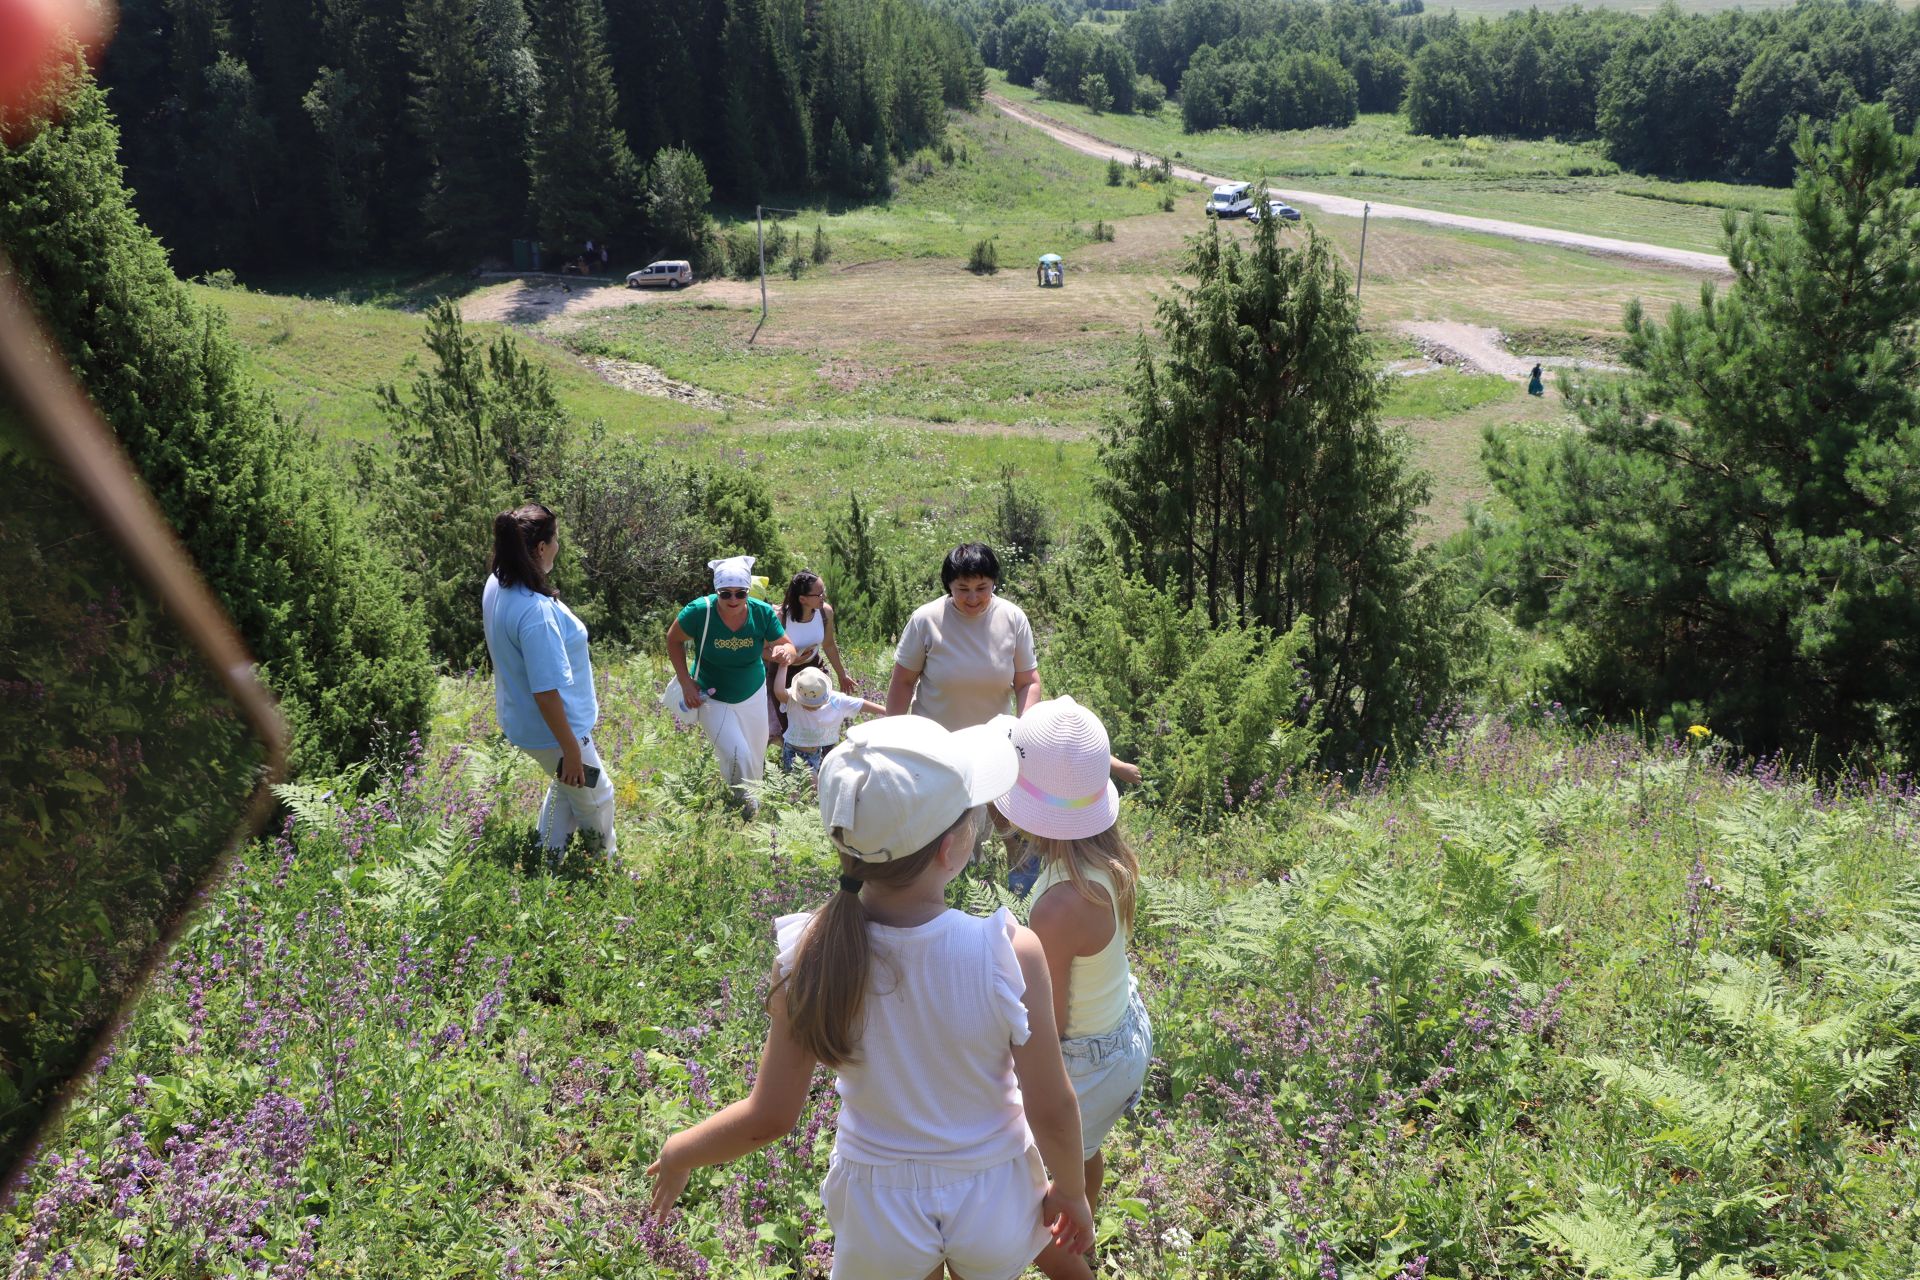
(137, 745)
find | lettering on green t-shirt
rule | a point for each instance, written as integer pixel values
(729, 663)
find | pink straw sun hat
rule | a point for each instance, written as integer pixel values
(1065, 790)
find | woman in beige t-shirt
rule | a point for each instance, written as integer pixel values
(968, 656)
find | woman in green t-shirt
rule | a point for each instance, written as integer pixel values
(735, 636)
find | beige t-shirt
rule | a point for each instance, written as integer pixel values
(966, 665)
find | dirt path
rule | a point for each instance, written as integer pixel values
(1477, 347)
(558, 304)
(1347, 206)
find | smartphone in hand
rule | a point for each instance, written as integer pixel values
(593, 773)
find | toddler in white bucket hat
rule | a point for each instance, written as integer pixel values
(1065, 803)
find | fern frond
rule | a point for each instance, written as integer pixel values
(312, 805)
(1608, 1240)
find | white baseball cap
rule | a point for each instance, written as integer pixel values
(897, 783)
(1065, 789)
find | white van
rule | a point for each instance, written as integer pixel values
(1233, 200)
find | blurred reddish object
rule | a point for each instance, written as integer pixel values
(36, 39)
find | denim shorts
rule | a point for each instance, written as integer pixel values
(1108, 1071)
(814, 756)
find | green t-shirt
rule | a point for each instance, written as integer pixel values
(730, 662)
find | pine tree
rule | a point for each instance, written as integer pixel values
(1254, 475)
(1735, 538)
(252, 503)
(480, 432)
(472, 131)
(585, 179)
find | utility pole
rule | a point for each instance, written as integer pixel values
(1361, 271)
(760, 230)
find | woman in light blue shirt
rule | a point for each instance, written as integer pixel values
(543, 677)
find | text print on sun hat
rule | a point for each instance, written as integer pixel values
(1065, 789)
(896, 784)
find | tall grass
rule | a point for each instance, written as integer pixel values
(1536, 999)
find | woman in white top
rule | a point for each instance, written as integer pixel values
(809, 622)
(938, 1025)
(1066, 805)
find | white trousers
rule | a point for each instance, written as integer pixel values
(570, 809)
(738, 732)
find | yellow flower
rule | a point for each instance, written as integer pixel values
(1698, 731)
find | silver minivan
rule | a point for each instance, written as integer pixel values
(671, 274)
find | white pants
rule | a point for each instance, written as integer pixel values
(570, 809)
(738, 732)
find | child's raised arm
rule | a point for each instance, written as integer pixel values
(741, 1128)
(780, 683)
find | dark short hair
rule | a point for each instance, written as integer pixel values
(969, 560)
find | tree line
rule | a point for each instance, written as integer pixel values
(1741, 81)
(276, 133)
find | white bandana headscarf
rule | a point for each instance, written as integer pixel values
(734, 571)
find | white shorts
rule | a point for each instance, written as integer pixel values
(900, 1221)
(1108, 1070)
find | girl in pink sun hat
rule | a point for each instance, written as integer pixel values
(1065, 803)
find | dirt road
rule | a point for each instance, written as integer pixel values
(1347, 206)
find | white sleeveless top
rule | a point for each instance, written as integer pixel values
(933, 1082)
(807, 636)
(1097, 986)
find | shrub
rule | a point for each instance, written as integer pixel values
(821, 249)
(637, 537)
(1022, 529)
(797, 266)
(252, 502)
(984, 260)
(868, 590)
(1095, 93)
(1102, 232)
(1116, 172)
(1149, 95)
(1166, 201)
(1214, 713)
(736, 514)
(743, 252)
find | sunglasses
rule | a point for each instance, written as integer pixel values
(733, 594)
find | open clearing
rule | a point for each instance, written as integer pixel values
(893, 369)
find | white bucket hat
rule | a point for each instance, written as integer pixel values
(810, 688)
(896, 784)
(1065, 789)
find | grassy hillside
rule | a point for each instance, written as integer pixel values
(1542, 999)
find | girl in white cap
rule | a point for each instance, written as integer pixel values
(1065, 803)
(734, 637)
(939, 1026)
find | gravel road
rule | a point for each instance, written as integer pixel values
(1347, 206)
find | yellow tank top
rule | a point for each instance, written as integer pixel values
(1097, 987)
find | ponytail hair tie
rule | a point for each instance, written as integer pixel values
(849, 885)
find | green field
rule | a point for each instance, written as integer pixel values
(1568, 186)
(892, 371)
